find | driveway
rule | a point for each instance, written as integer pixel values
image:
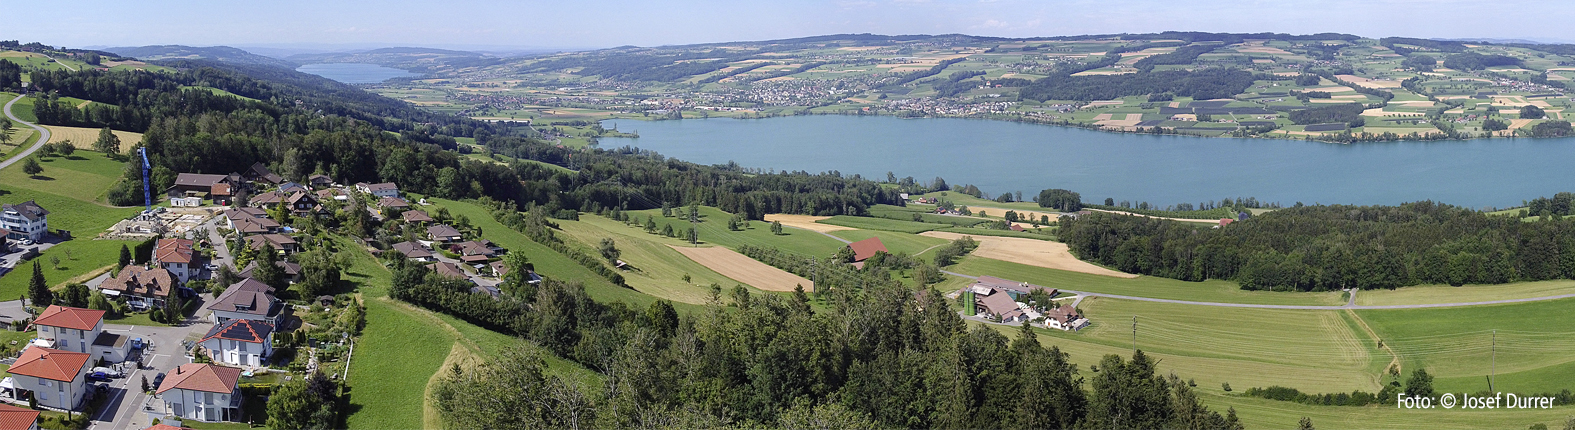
(124, 411)
(221, 249)
(43, 135)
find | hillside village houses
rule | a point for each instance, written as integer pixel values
(26, 220)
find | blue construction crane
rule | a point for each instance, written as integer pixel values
(147, 196)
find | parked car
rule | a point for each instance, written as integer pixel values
(158, 380)
(98, 377)
(136, 343)
(109, 372)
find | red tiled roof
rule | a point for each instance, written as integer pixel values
(864, 249)
(201, 377)
(69, 317)
(162, 426)
(221, 189)
(51, 364)
(17, 418)
(173, 251)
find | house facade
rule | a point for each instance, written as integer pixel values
(26, 220)
(240, 342)
(70, 329)
(201, 392)
(57, 378)
(178, 257)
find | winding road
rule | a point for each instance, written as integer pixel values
(43, 135)
(1349, 304)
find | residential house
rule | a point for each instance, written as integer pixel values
(57, 378)
(266, 200)
(222, 194)
(248, 299)
(443, 233)
(475, 251)
(1012, 288)
(302, 203)
(203, 186)
(332, 194)
(137, 284)
(260, 173)
(320, 181)
(393, 203)
(415, 217)
(385, 189)
(413, 250)
(449, 269)
(178, 257)
(26, 220)
(18, 418)
(1065, 318)
(292, 271)
(201, 392)
(250, 221)
(864, 249)
(280, 243)
(80, 330)
(239, 342)
(288, 188)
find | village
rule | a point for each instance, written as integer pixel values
(221, 297)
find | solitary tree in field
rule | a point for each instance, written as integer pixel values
(107, 142)
(694, 236)
(5, 131)
(776, 228)
(31, 167)
(65, 148)
(38, 288)
(610, 250)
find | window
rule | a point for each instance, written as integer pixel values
(81, 334)
(43, 382)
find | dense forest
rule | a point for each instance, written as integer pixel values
(1202, 84)
(1475, 61)
(1342, 113)
(1318, 248)
(307, 125)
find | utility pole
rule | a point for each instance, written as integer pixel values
(1134, 334)
(1493, 362)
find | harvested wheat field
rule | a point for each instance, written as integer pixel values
(1046, 254)
(744, 269)
(83, 137)
(806, 222)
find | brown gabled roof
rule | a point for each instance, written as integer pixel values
(69, 317)
(415, 216)
(412, 249)
(51, 364)
(142, 281)
(448, 269)
(475, 248)
(220, 190)
(173, 251)
(329, 194)
(319, 179)
(17, 418)
(393, 202)
(241, 330)
(442, 230)
(1002, 305)
(199, 180)
(277, 241)
(297, 196)
(864, 249)
(201, 377)
(268, 198)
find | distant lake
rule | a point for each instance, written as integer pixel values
(1000, 156)
(354, 73)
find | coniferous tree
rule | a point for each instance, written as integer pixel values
(38, 288)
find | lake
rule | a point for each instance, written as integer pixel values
(1000, 156)
(354, 73)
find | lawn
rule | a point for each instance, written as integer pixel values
(1142, 286)
(713, 230)
(1533, 342)
(73, 199)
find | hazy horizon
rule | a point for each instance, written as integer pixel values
(543, 26)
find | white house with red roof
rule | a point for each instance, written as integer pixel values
(201, 392)
(176, 256)
(56, 378)
(80, 330)
(17, 418)
(239, 342)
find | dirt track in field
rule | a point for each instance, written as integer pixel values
(1046, 254)
(743, 269)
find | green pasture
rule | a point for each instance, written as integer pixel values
(73, 194)
(713, 230)
(1457, 344)
(896, 242)
(1142, 286)
(871, 223)
(656, 269)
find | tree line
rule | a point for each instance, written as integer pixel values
(1210, 83)
(1321, 248)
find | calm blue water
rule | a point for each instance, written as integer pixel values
(354, 73)
(1003, 156)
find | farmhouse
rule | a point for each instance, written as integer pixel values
(141, 285)
(196, 185)
(1001, 306)
(239, 342)
(248, 299)
(1012, 288)
(201, 392)
(26, 220)
(1065, 318)
(864, 249)
(176, 256)
(56, 378)
(385, 189)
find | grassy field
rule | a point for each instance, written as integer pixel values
(73, 194)
(895, 242)
(713, 230)
(658, 269)
(1142, 286)
(1456, 344)
(1422, 294)
(23, 109)
(871, 223)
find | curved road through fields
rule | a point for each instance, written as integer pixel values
(43, 135)
(1350, 304)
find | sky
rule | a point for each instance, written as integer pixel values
(581, 24)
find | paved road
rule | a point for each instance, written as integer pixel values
(1350, 303)
(124, 410)
(43, 135)
(68, 67)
